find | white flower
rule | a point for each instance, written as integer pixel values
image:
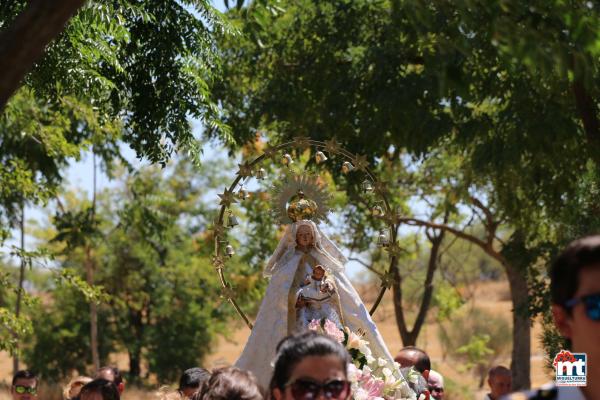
(366, 370)
(363, 348)
(396, 365)
(370, 359)
(353, 373)
(382, 362)
(360, 394)
(353, 341)
(386, 372)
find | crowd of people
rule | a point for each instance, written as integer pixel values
(313, 366)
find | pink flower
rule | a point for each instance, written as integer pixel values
(373, 386)
(333, 331)
(314, 325)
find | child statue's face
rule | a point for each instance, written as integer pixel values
(304, 236)
(318, 273)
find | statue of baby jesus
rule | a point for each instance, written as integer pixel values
(315, 299)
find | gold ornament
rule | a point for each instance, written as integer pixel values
(242, 194)
(360, 162)
(229, 250)
(377, 211)
(287, 159)
(227, 198)
(332, 146)
(347, 167)
(382, 239)
(260, 174)
(245, 170)
(320, 157)
(232, 220)
(307, 198)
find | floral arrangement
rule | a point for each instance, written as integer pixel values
(372, 378)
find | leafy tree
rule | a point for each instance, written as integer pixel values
(510, 84)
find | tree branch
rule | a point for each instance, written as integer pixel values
(485, 246)
(23, 42)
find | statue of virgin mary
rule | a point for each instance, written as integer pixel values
(302, 250)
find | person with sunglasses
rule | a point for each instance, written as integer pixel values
(575, 291)
(310, 366)
(24, 386)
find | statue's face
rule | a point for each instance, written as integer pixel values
(304, 236)
(318, 273)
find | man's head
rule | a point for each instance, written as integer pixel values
(575, 289)
(99, 389)
(111, 374)
(436, 385)
(24, 386)
(191, 380)
(411, 356)
(500, 381)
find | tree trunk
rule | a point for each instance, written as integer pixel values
(409, 337)
(521, 352)
(89, 272)
(24, 41)
(136, 319)
(20, 287)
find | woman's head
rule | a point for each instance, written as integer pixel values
(99, 389)
(230, 384)
(308, 365)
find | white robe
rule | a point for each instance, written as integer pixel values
(271, 324)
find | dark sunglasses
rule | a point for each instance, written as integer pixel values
(306, 389)
(434, 389)
(591, 303)
(20, 389)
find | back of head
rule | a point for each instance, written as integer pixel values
(564, 276)
(294, 348)
(230, 384)
(72, 389)
(111, 374)
(498, 370)
(193, 378)
(24, 374)
(411, 356)
(106, 389)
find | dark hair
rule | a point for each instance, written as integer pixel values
(230, 384)
(564, 277)
(193, 378)
(107, 389)
(118, 378)
(423, 362)
(498, 370)
(292, 349)
(24, 374)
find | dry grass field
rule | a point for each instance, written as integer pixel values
(492, 296)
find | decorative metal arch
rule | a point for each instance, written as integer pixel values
(246, 169)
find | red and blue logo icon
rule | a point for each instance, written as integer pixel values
(571, 368)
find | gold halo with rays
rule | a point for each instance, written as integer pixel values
(287, 189)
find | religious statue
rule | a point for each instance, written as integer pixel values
(317, 299)
(307, 282)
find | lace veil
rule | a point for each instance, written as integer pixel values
(326, 252)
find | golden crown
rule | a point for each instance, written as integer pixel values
(300, 207)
